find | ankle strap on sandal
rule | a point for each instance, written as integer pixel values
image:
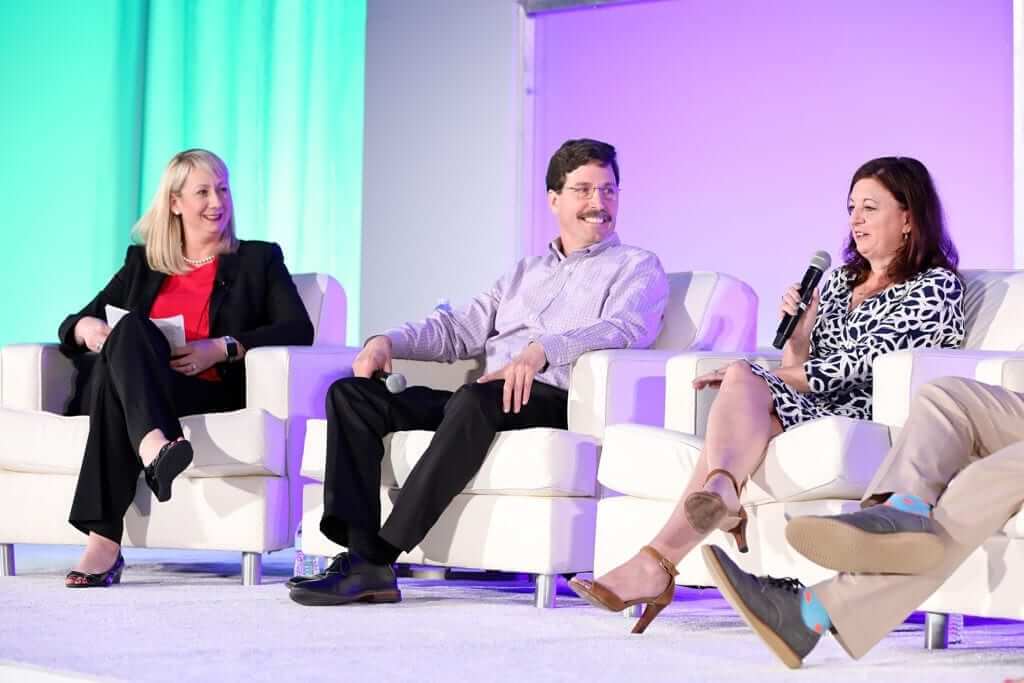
(726, 473)
(662, 560)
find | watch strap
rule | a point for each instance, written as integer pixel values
(232, 348)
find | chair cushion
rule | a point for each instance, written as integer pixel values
(708, 310)
(530, 462)
(648, 462)
(992, 305)
(326, 305)
(238, 443)
(525, 462)
(833, 457)
(314, 455)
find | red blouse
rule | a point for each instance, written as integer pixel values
(189, 296)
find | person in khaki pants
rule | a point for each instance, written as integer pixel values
(953, 478)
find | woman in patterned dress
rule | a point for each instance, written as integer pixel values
(898, 289)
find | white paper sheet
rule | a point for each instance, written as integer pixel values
(173, 328)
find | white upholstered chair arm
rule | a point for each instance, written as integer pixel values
(901, 374)
(686, 409)
(613, 386)
(35, 377)
(1007, 370)
(292, 381)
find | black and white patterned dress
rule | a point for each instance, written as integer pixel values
(926, 310)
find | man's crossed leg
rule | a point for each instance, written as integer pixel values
(953, 478)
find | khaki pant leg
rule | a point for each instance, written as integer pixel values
(952, 423)
(976, 504)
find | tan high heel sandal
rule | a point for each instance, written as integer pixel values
(599, 596)
(706, 510)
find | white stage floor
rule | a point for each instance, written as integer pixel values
(182, 616)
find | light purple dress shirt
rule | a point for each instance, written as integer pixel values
(607, 296)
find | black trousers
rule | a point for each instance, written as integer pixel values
(131, 391)
(360, 412)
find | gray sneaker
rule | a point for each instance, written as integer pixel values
(770, 606)
(876, 540)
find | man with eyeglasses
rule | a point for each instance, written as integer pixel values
(588, 292)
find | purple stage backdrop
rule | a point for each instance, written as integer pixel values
(739, 123)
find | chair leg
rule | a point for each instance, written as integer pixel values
(936, 631)
(6, 559)
(252, 569)
(544, 591)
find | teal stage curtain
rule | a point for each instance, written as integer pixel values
(99, 94)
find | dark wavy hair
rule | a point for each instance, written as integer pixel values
(928, 245)
(575, 153)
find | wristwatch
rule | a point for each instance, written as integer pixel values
(232, 346)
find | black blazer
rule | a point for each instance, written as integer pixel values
(254, 300)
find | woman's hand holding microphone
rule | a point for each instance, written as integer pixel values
(799, 342)
(798, 346)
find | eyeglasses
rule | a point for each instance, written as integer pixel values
(609, 192)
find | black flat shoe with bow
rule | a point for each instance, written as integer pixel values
(76, 579)
(171, 461)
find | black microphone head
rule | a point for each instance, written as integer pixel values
(821, 260)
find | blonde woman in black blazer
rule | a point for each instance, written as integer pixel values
(235, 295)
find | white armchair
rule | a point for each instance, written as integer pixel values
(532, 506)
(820, 467)
(242, 492)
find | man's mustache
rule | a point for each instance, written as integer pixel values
(598, 213)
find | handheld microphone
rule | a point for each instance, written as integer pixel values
(819, 264)
(394, 381)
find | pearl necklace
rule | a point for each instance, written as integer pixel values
(196, 262)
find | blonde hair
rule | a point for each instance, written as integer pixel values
(161, 231)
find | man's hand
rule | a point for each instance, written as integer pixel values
(198, 356)
(376, 355)
(91, 332)
(518, 376)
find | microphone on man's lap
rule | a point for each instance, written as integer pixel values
(394, 381)
(820, 262)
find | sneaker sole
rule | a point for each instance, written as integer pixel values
(845, 548)
(770, 638)
(315, 599)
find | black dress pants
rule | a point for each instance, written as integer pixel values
(360, 412)
(131, 391)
